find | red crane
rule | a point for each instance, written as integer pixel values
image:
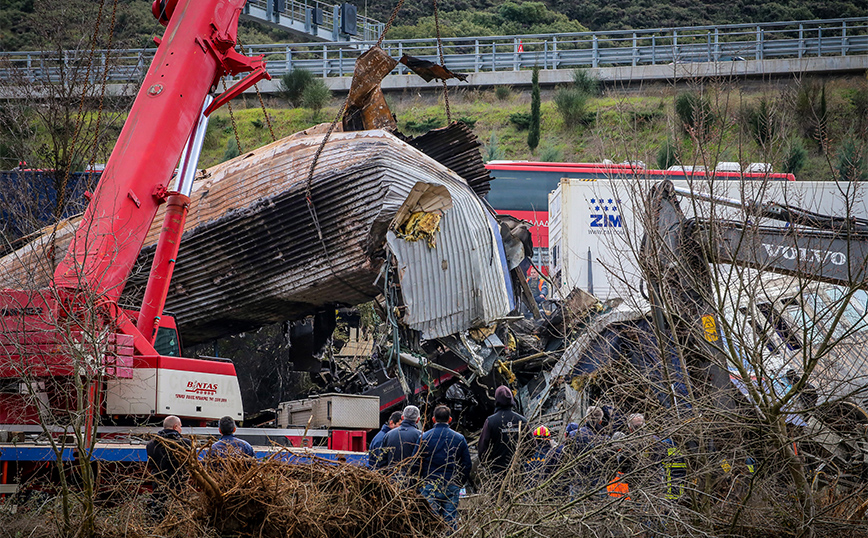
(76, 327)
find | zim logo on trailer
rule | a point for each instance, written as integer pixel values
(605, 213)
(202, 388)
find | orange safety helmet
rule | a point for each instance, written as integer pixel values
(542, 432)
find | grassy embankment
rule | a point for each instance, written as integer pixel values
(616, 126)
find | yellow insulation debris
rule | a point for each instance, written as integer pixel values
(421, 225)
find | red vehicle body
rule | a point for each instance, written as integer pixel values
(50, 338)
(521, 188)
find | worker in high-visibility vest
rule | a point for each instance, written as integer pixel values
(674, 470)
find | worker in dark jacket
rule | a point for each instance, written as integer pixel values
(401, 444)
(500, 433)
(445, 464)
(166, 463)
(377, 442)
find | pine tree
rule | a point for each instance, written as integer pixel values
(533, 129)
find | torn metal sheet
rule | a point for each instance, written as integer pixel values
(462, 282)
(366, 105)
(457, 148)
(429, 70)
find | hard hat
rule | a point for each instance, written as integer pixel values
(542, 432)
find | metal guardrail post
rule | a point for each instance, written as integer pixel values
(555, 59)
(336, 23)
(546, 54)
(653, 50)
(288, 59)
(635, 50)
(493, 55)
(801, 40)
(819, 41)
(844, 38)
(401, 70)
(708, 54)
(476, 58)
(675, 46)
(595, 59)
(515, 54)
(325, 61)
(340, 62)
(759, 44)
(716, 44)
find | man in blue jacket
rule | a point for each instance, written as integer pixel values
(228, 443)
(401, 444)
(445, 465)
(377, 441)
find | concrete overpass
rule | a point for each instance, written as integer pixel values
(663, 54)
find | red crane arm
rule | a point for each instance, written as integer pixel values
(197, 49)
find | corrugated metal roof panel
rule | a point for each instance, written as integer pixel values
(461, 283)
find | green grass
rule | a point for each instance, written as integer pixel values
(624, 127)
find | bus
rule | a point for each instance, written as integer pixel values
(521, 188)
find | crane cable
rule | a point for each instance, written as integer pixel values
(442, 61)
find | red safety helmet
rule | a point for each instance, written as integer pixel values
(542, 432)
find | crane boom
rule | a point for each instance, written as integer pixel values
(196, 51)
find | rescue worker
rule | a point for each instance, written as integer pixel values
(165, 461)
(401, 444)
(445, 463)
(500, 433)
(377, 442)
(543, 458)
(588, 438)
(618, 487)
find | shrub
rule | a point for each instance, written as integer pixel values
(316, 95)
(503, 92)
(534, 128)
(492, 151)
(695, 114)
(647, 117)
(760, 122)
(551, 154)
(292, 85)
(423, 126)
(232, 149)
(795, 158)
(852, 162)
(470, 122)
(572, 105)
(584, 81)
(811, 112)
(667, 155)
(257, 123)
(859, 101)
(521, 120)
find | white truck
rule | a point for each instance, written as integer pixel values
(596, 226)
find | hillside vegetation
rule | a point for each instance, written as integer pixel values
(782, 124)
(44, 24)
(628, 14)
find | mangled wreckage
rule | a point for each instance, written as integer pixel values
(345, 214)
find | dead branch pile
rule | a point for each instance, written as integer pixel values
(273, 498)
